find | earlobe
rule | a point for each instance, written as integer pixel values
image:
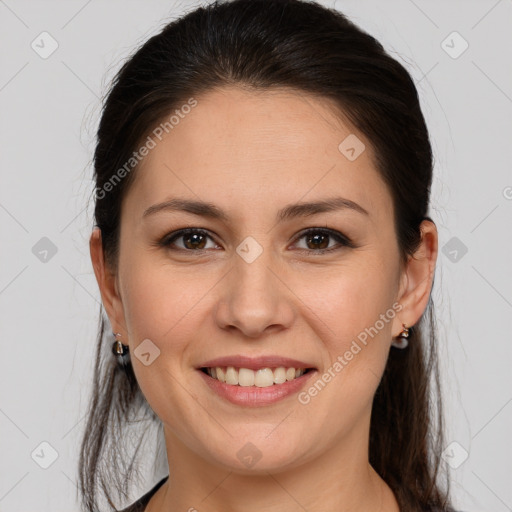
(417, 278)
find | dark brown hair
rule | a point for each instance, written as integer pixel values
(263, 44)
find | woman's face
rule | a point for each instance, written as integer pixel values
(252, 284)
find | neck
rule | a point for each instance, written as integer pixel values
(340, 479)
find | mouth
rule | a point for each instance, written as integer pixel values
(261, 378)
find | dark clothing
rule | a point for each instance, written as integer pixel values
(141, 503)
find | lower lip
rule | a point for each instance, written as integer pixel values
(253, 396)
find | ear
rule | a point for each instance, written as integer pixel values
(107, 282)
(417, 278)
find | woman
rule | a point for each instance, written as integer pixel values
(265, 258)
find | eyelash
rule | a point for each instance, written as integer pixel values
(342, 240)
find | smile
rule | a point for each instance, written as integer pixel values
(262, 377)
(255, 388)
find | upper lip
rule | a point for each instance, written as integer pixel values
(255, 363)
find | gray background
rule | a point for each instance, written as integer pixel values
(49, 300)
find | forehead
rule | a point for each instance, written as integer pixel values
(250, 148)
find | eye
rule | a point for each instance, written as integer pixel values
(193, 239)
(318, 240)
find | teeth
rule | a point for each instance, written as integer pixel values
(220, 374)
(232, 376)
(262, 378)
(245, 377)
(279, 375)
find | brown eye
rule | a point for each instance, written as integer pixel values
(193, 239)
(317, 240)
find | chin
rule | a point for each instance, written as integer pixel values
(258, 455)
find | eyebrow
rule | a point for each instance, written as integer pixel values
(290, 211)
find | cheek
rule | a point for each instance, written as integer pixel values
(355, 311)
(349, 300)
(155, 300)
(167, 305)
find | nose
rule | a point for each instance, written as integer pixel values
(255, 298)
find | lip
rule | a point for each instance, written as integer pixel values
(253, 396)
(255, 363)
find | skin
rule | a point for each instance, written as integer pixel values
(252, 153)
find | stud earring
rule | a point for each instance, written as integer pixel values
(401, 340)
(120, 351)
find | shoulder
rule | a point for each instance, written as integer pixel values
(141, 503)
